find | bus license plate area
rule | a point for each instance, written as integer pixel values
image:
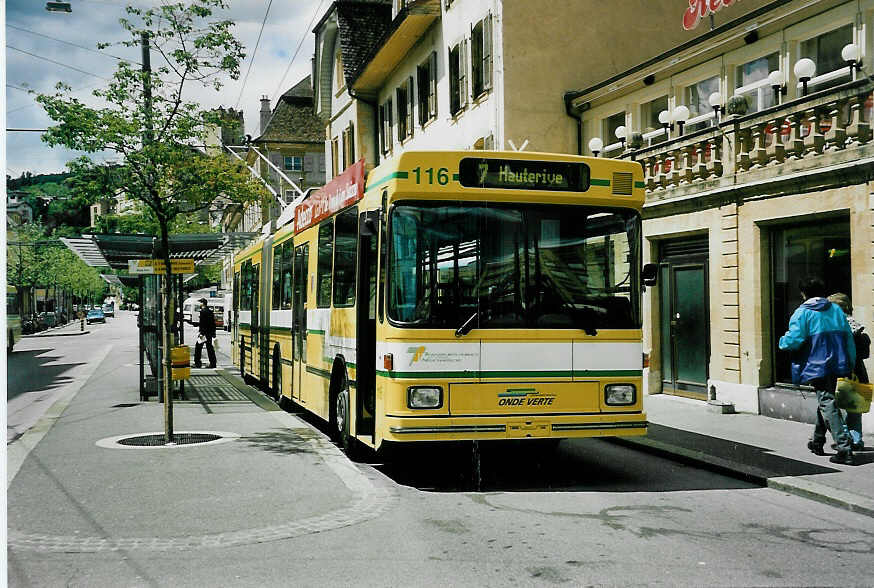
(528, 428)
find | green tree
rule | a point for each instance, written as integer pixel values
(149, 122)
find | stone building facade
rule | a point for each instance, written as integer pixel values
(742, 203)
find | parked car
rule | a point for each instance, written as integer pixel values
(95, 316)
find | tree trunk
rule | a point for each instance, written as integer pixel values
(167, 319)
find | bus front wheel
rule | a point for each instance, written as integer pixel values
(341, 425)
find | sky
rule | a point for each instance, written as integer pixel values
(46, 38)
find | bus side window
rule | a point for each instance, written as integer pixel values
(323, 265)
(383, 220)
(345, 254)
(277, 277)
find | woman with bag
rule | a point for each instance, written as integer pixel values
(863, 351)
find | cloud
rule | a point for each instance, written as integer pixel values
(97, 20)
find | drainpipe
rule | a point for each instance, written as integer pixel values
(571, 112)
(373, 106)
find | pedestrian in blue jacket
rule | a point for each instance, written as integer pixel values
(819, 332)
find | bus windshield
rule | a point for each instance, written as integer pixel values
(514, 266)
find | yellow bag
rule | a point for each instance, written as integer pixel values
(852, 395)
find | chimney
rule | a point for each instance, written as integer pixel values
(265, 113)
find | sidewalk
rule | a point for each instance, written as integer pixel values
(771, 452)
(71, 328)
(265, 475)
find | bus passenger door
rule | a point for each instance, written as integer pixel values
(256, 319)
(365, 354)
(264, 319)
(299, 320)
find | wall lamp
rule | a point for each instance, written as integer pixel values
(622, 134)
(852, 55)
(804, 70)
(775, 78)
(596, 145)
(680, 116)
(715, 101)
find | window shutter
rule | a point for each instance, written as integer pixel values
(381, 127)
(351, 142)
(487, 52)
(390, 122)
(454, 98)
(411, 105)
(432, 85)
(462, 74)
(399, 95)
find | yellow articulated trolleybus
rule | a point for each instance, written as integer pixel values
(455, 296)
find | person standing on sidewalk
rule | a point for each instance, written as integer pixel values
(819, 331)
(863, 349)
(206, 333)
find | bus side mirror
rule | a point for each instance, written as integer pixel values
(368, 223)
(650, 274)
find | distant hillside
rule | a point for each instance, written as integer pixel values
(31, 180)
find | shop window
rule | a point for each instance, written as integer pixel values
(457, 77)
(697, 99)
(825, 51)
(652, 129)
(751, 82)
(820, 249)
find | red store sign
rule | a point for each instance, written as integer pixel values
(698, 9)
(344, 190)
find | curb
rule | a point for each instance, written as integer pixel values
(791, 485)
(47, 334)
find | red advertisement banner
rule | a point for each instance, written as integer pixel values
(344, 190)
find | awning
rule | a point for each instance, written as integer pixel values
(115, 250)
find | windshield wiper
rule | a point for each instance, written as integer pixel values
(467, 326)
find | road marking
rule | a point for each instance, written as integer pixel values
(18, 450)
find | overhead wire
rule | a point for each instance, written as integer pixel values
(254, 52)
(57, 62)
(17, 28)
(276, 93)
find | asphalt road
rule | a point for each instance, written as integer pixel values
(587, 512)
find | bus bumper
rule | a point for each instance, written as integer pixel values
(399, 429)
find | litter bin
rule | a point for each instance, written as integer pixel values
(180, 362)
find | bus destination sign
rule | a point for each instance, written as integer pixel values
(517, 174)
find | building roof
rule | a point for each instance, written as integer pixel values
(362, 26)
(293, 119)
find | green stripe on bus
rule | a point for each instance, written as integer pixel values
(454, 177)
(280, 329)
(247, 325)
(514, 374)
(315, 332)
(640, 184)
(608, 373)
(599, 182)
(401, 175)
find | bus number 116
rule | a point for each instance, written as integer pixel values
(442, 175)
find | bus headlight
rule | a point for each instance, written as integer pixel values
(620, 394)
(424, 397)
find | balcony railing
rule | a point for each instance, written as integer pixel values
(824, 128)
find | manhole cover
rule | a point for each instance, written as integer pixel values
(156, 440)
(180, 439)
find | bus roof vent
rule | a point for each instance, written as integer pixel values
(623, 183)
